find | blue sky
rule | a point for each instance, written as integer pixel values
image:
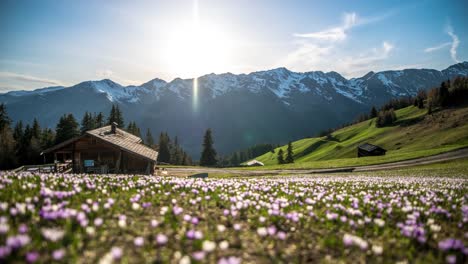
(48, 43)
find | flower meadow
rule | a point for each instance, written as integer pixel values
(292, 219)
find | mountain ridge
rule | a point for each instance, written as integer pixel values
(272, 106)
(458, 68)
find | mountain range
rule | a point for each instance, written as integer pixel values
(272, 106)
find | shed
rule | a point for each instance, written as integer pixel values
(367, 149)
(255, 163)
(105, 150)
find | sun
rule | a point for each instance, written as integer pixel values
(195, 49)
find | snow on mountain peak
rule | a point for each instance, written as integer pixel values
(154, 84)
(36, 91)
(283, 83)
(116, 92)
(458, 69)
(219, 84)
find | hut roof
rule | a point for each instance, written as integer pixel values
(255, 162)
(369, 147)
(121, 139)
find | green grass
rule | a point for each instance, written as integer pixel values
(452, 168)
(415, 134)
(277, 219)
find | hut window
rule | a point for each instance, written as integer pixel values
(93, 141)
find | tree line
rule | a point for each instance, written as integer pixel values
(171, 152)
(238, 157)
(23, 144)
(289, 155)
(449, 93)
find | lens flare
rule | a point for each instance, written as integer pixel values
(195, 95)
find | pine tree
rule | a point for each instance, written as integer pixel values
(373, 112)
(420, 102)
(176, 152)
(34, 144)
(99, 120)
(119, 117)
(443, 94)
(36, 129)
(18, 131)
(67, 128)
(112, 116)
(149, 139)
(87, 123)
(5, 120)
(47, 138)
(289, 154)
(164, 150)
(7, 148)
(208, 155)
(133, 129)
(116, 116)
(280, 157)
(7, 142)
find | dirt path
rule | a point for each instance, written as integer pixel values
(457, 154)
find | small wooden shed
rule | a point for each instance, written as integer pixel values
(255, 163)
(367, 149)
(105, 150)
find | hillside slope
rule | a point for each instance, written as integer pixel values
(415, 134)
(241, 109)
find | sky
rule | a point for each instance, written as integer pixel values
(53, 42)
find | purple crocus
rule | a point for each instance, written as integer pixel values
(161, 239)
(58, 254)
(32, 256)
(450, 243)
(116, 253)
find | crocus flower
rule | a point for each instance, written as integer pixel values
(52, 234)
(138, 241)
(262, 231)
(161, 239)
(208, 246)
(58, 254)
(116, 253)
(32, 256)
(229, 260)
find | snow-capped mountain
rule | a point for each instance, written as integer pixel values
(265, 106)
(36, 91)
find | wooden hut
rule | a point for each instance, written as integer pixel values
(105, 150)
(367, 149)
(255, 163)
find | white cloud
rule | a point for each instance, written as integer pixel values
(28, 78)
(319, 50)
(438, 47)
(335, 33)
(106, 73)
(109, 74)
(307, 55)
(455, 43)
(361, 64)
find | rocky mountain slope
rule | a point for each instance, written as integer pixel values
(266, 106)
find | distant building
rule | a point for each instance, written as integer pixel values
(255, 163)
(105, 150)
(367, 149)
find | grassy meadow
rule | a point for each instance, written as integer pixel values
(415, 134)
(355, 218)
